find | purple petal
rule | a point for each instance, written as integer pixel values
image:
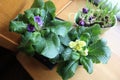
(85, 10)
(81, 22)
(90, 18)
(30, 28)
(38, 20)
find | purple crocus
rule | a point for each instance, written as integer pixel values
(30, 28)
(85, 10)
(81, 22)
(38, 20)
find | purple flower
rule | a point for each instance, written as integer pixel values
(38, 20)
(30, 28)
(90, 18)
(81, 22)
(85, 10)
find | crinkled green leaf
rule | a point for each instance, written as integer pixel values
(18, 26)
(38, 4)
(94, 32)
(87, 64)
(60, 27)
(67, 69)
(28, 49)
(50, 7)
(66, 54)
(80, 30)
(29, 13)
(99, 52)
(73, 34)
(75, 56)
(56, 41)
(65, 40)
(50, 50)
(38, 42)
(85, 37)
(26, 44)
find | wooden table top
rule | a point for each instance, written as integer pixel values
(109, 71)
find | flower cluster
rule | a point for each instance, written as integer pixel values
(79, 46)
(38, 20)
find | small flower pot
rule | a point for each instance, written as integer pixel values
(110, 27)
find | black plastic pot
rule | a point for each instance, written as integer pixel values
(44, 61)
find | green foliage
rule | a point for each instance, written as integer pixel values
(60, 27)
(38, 4)
(99, 52)
(50, 49)
(52, 39)
(66, 54)
(87, 64)
(50, 7)
(67, 69)
(18, 26)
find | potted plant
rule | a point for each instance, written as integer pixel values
(58, 41)
(101, 14)
(40, 30)
(82, 46)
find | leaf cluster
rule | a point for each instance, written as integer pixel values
(44, 40)
(98, 51)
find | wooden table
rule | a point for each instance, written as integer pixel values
(10, 8)
(110, 71)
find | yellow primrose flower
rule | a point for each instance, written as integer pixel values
(78, 48)
(86, 52)
(77, 45)
(72, 44)
(81, 43)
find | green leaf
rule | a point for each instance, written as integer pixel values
(50, 7)
(94, 32)
(60, 27)
(29, 13)
(75, 56)
(56, 41)
(67, 69)
(28, 49)
(66, 54)
(65, 40)
(18, 26)
(42, 13)
(99, 52)
(38, 4)
(85, 37)
(26, 44)
(73, 34)
(19, 17)
(50, 50)
(38, 42)
(87, 64)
